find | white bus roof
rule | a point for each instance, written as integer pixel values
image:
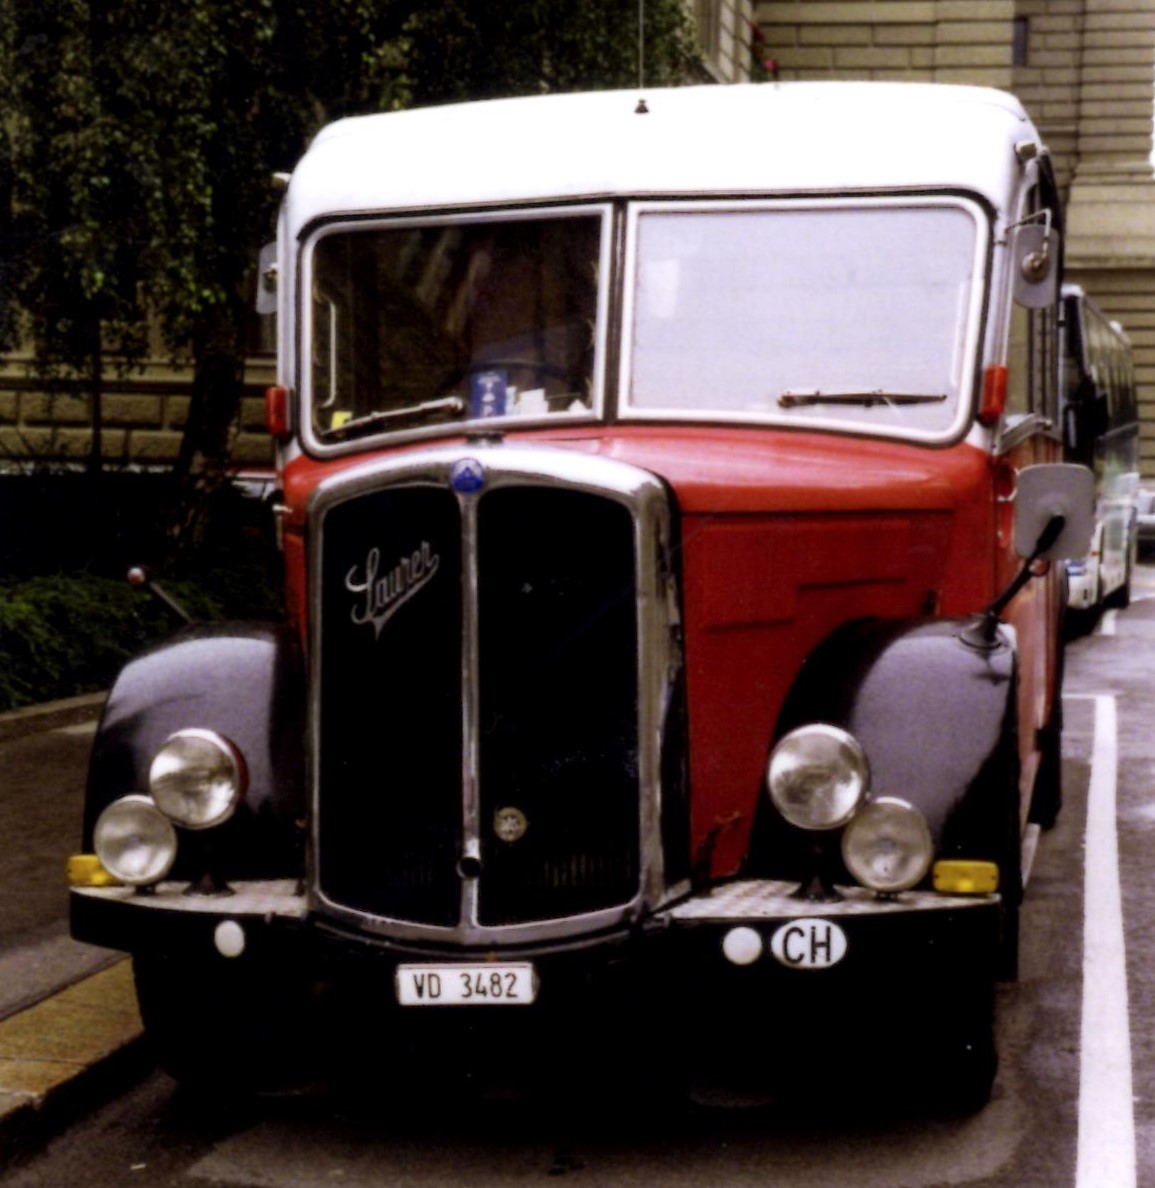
(764, 139)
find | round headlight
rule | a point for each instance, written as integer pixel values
(818, 776)
(134, 841)
(197, 778)
(887, 847)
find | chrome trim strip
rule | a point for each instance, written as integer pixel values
(251, 897)
(773, 899)
(658, 664)
(1017, 429)
(470, 709)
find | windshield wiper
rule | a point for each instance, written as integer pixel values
(452, 405)
(795, 399)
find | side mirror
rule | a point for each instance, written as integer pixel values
(267, 280)
(1049, 490)
(1035, 264)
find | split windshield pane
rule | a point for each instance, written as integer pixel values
(841, 314)
(434, 322)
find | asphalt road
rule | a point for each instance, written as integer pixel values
(1074, 1103)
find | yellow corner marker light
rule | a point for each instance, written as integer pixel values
(85, 870)
(959, 876)
(197, 778)
(818, 776)
(134, 841)
(888, 847)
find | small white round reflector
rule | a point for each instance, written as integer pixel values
(134, 841)
(742, 946)
(888, 847)
(197, 778)
(229, 938)
(818, 776)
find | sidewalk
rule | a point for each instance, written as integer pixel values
(71, 1031)
(56, 1054)
(50, 716)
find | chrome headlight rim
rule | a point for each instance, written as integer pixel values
(135, 819)
(197, 778)
(818, 777)
(903, 824)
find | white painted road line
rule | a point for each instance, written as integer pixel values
(1107, 622)
(1106, 1155)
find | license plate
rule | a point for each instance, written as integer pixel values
(511, 983)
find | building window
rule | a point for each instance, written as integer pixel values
(1020, 37)
(709, 19)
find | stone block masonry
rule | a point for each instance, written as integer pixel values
(142, 421)
(923, 40)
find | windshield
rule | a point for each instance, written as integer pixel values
(856, 315)
(415, 324)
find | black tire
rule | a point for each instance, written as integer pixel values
(948, 1060)
(1047, 797)
(968, 1057)
(1011, 892)
(1047, 794)
(1120, 599)
(224, 1025)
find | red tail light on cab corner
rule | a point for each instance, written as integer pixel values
(277, 412)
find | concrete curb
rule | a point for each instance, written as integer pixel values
(51, 715)
(55, 1056)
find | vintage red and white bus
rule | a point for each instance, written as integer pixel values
(670, 481)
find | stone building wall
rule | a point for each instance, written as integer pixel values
(724, 30)
(143, 416)
(925, 40)
(1111, 199)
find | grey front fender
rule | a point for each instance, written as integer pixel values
(243, 680)
(937, 719)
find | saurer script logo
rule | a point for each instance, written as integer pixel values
(381, 596)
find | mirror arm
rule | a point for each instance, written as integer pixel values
(140, 579)
(980, 633)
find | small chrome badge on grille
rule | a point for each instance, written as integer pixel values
(382, 597)
(467, 476)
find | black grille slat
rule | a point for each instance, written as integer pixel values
(389, 825)
(559, 734)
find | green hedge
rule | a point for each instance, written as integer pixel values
(65, 634)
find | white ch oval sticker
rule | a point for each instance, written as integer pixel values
(809, 944)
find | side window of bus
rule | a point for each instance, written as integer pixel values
(1033, 350)
(1032, 364)
(1020, 394)
(1045, 362)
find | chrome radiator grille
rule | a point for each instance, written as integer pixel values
(478, 717)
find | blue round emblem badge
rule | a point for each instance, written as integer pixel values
(467, 476)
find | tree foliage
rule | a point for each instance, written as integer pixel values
(475, 49)
(140, 136)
